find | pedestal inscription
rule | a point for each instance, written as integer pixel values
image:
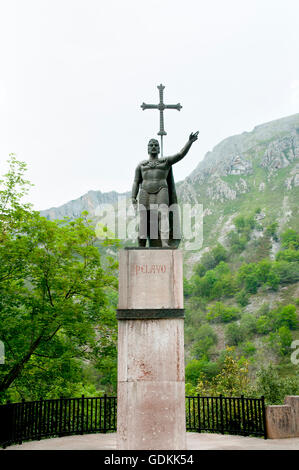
(150, 279)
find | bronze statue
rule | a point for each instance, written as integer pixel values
(155, 184)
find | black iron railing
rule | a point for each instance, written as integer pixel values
(60, 417)
(69, 416)
(226, 415)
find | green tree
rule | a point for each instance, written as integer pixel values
(287, 316)
(281, 340)
(289, 254)
(242, 298)
(208, 260)
(273, 387)
(204, 338)
(195, 368)
(54, 304)
(234, 334)
(219, 253)
(248, 277)
(271, 230)
(232, 380)
(264, 325)
(288, 273)
(290, 239)
(220, 312)
(236, 241)
(248, 348)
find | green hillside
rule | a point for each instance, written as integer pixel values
(242, 286)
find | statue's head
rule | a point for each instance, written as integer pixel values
(153, 147)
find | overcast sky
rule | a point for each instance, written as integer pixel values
(75, 72)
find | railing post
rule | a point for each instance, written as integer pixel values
(105, 413)
(221, 413)
(21, 421)
(9, 421)
(198, 409)
(39, 418)
(82, 414)
(264, 416)
(243, 414)
(60, 416)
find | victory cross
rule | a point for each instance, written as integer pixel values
(158, 212)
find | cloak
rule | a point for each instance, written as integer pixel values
(174, 214)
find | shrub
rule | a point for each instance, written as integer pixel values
(242, 298)
(248, 324)
(219, 253)
(220, 312)
(197, 367)
(187, 287)
(249, 277)
(290, 239)
(234, 334)
(271, 231)
(287, 272)
(280, 341)
(248, 348)
(200, 270)
(287, 316)
(289, 255)
(232, 380)
(237, 243)
(264, 325)
(273, 387)
(204, 338)
(208, 260)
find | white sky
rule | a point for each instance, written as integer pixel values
(73, 74)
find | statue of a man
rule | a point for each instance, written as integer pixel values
(155, 184)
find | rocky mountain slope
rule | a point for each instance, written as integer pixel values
(247, 171)
(88, 202)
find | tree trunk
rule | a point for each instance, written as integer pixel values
(17, 368)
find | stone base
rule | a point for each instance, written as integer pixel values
(279, 421)
(150, 279)
(293, 402)
(282, 421)
(151, 385)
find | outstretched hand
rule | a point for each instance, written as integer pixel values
(193, 136)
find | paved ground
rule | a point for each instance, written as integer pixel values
(195, 441)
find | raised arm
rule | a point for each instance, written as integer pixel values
(176, 158)
(137, 181)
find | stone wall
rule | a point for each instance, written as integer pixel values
(282, 421)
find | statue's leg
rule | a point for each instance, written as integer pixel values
(153, 225)
(163, 216)
(143, 223)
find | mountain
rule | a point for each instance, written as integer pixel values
(88, 202)
(257, 169)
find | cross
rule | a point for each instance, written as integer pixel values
(161, 106)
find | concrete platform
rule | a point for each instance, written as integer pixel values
(195, 441)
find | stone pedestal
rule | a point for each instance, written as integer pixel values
(151, 373)
(282, 421)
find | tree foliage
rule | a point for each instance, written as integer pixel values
(232, 380)
(54, 296)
